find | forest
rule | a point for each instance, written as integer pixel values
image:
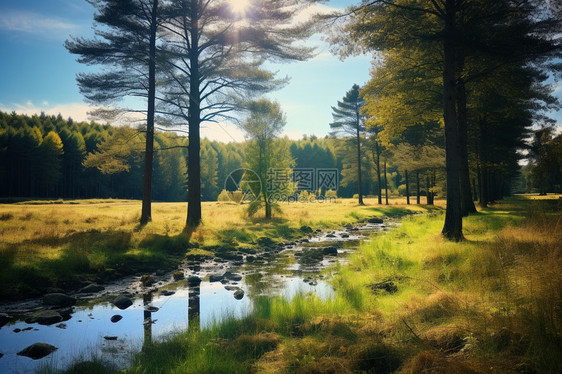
(51, 157)
(133, 244)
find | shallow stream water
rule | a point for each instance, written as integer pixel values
(155, 314)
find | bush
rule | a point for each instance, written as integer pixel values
(225, 196)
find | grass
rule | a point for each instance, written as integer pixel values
(66, 244)
(488, 304)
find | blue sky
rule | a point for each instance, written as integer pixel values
(38, 74)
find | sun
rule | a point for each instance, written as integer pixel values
(239, 6)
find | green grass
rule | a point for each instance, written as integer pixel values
(495, 296)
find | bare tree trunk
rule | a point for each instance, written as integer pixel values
(418, 199)
(467, 205)
(379, 172)
(359, 181)
(407, 189)
(146, 212)
(452, 228)
(385, 184)
(194, 161)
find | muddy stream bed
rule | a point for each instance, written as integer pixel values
(212, 289)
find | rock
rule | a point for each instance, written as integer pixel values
(17, 330)
(116, 318)
(61, 326)
(306, 229)
(37, 351)
(66, 312)
(58, 299)
(193, 280)
(386, 285)
(330, 236)
(122, 302)
(151, 309)
(231, 288)
(238, 294)
(375, 220)
(215, 278)
(47, 317)
(250, 258)
(348, 226)
(344, 235)
(27, 328)
(4, 319)
(160, 272)
(1, 355)
(313, 283)
(178, 275)
(167, 293)
(110, 337)
(330, 251)
(232, 276)
(265, 241)
(147, 280)
(92, 288)
(54, 290)
(305, 240)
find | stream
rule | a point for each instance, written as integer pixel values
(213, 289)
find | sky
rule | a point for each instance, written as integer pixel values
(38, 74)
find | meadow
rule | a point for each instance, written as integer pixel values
(66, 244)
(407, 302)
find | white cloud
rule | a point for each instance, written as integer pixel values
(35, 24)
(222, 132)
(77, 111)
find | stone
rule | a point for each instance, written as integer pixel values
(375, 220)
(151, 309)
(238, 294)
(344, 235)
(122, 302)
(330, 236)
(147, 280)
(66, 312)
(193, 280)
(215, 278)
(306, 229)
(37, 350)
(92, 288)
(110, 337)
(167, 293)
(330, 251)
(231, 288)
(178, 275)
(1, 355)
(61, 326)
(265, 241)
(232, 276)
(250, 258)
(17, 330)
(47, 317)
(4, 319)
(116, 318)
(58, 299)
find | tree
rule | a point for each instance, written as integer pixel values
(448, 32)
(128, 31)
(349, 120)
(216, 55)
(51, 161)
(265, 152)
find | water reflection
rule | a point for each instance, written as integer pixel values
(147, 320)
(194, 304)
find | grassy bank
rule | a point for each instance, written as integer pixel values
(408, 302)
(66, 244)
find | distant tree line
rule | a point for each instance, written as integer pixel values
(46, 156)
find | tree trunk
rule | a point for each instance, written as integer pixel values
(452, 228)
(359, 181)
(194, 113)
(418, 199)
(146, 214)
(475, 197)
(407, 189)
(378, 171)
(467, 205)
(385, 184)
